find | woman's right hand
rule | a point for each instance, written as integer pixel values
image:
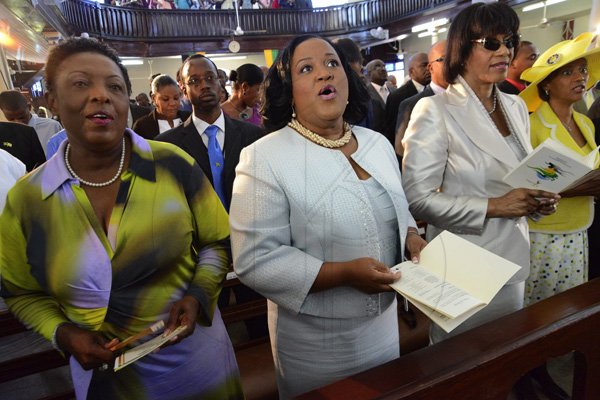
(369, 275)
(90, 349)
(365, 274)
(520, 202)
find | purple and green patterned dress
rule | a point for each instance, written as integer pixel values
(167, 238)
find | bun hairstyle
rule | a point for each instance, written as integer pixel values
(161, 81)
(247, 73)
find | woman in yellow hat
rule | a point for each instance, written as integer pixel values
(559, 246)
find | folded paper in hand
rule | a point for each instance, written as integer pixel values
(144, 349)
(453, 280)
(553, 167)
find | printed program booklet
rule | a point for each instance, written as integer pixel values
(553, 167)
(453, 280)
(134, 354)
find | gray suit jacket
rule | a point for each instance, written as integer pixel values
(454, 160)
(293, 201)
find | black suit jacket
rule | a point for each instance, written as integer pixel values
(404, 111)
(594, 230)
(22, 142)
(138, 112)
(507, 87)
(377, 121)
(147, 126)
(238, 134)
(391, 107)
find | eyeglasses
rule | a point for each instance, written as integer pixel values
(208, 78)
(492, 44)
(439, 59)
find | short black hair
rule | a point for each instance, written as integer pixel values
(195, 57)
(73, 46)
(12, 100)
(161, 81)
(475, 22)
(277, 98)
(249, 73)
(521, 44)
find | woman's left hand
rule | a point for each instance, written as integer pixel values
(183, 312)
(547, 209)
(414, 244)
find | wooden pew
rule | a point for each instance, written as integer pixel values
(254, 356)
(485, 362)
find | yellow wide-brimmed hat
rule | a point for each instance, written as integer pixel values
(558, 56)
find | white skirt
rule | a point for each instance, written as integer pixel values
(311, 352)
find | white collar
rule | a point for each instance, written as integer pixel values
(201, 125)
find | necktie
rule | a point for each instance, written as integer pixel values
(217, 162)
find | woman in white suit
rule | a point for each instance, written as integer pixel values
(460, 144)
(318, 216)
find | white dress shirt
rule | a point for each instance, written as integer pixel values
(382, 90)
(202, 125)
(418, 86)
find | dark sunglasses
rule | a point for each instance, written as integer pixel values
(494, 44)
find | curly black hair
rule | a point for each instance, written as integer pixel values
(475, 22)
(277, 94)
(76, 45)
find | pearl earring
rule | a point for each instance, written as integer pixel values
(293, 112)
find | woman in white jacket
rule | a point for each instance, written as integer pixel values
(318, 216)
(460, 144)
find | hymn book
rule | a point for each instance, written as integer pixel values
(453, 280)
(553, 167)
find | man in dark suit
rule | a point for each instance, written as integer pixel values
(525, 55)
(438, 84)
(594, 230)
(22, 142)
(378, 92)
(419, 77)
(202, 87)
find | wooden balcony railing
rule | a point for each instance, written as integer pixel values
(137, 24)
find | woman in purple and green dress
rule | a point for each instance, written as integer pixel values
(112, 234)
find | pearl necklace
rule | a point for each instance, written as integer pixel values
(320, 140)
(87, 183)
(494, 105)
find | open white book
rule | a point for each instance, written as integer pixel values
(453, 280)
(553, 167)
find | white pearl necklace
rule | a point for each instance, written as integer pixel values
(320, 140)
(495, 103)
(102, 184)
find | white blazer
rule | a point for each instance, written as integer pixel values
(292, 203)
(455, 159)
